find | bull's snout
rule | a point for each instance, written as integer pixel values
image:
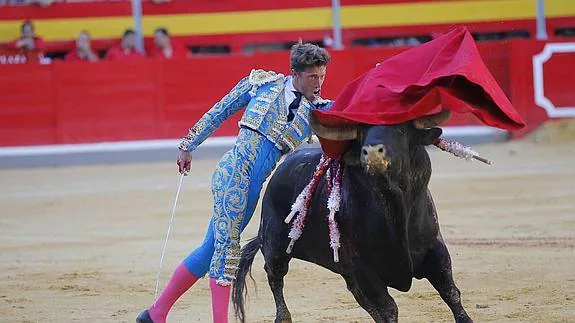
(374, 158)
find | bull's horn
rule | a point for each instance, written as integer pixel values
(341, 133)
(432, 120)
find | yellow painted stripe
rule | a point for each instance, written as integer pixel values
(243, 22)
(430, 13)
(358, 16)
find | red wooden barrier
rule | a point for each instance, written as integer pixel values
(153, 99)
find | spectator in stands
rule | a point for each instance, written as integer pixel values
(28, 40)
(405, 41)
(83, 50)
(127, 48)
(165, 47)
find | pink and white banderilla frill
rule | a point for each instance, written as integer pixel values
(303, 202)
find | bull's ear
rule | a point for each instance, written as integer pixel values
(427, 136)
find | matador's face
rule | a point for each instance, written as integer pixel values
(309, 81)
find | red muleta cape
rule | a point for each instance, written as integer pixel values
(445, 73)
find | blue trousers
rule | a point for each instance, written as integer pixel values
(236, 186)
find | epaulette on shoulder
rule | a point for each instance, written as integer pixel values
(259, 77)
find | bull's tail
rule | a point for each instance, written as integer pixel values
(239, 291)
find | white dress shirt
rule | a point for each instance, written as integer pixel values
(288, 92)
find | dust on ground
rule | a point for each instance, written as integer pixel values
(84, 243)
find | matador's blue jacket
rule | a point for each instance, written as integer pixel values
(262, 93)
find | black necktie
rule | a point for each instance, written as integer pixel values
(294, 105)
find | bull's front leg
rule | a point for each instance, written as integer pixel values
(372, 297)
(437, 269)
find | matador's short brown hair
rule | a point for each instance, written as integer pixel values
(304, 55)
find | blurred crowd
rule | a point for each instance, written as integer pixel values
(163, 47)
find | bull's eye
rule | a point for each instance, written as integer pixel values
(364, 151)
(380, 150)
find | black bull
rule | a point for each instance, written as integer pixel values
(387, 220)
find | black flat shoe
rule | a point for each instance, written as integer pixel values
(144, 317)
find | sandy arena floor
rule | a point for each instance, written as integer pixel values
(83, 243)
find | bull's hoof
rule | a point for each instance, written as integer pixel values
(283, 319)
(464, 318)
(144, 317)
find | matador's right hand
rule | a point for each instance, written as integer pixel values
(184, 161)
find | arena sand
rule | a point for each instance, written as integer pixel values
(83, 243)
